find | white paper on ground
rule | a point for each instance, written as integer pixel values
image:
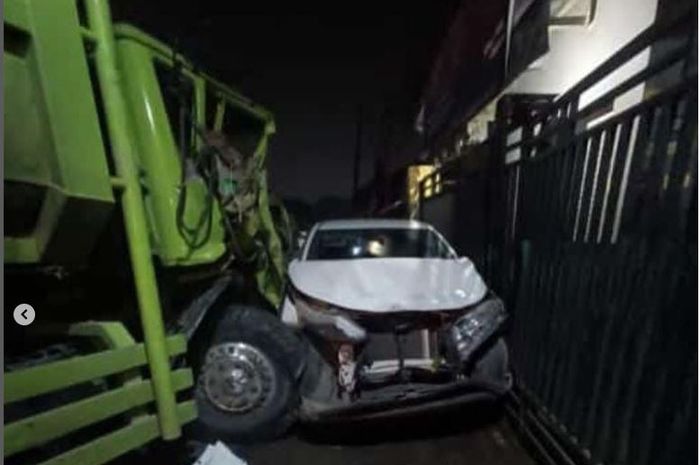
(219, 454)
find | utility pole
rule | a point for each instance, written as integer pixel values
(357, 157)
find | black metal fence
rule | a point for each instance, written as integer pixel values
(584, 218)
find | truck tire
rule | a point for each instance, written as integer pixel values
(246, 390)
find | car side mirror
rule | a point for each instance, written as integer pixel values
(301, 239)
(299, 242)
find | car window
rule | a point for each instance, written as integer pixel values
(339, 244)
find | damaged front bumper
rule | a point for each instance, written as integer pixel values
(373, 365)
(467, 332)
(404, 399)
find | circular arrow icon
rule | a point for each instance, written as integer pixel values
(24, 314)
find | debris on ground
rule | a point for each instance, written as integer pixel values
(219, 454)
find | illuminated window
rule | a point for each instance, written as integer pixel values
(421, 176)
(571, 12)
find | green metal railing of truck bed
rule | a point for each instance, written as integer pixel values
(135, 426)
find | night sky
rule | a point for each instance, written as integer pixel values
(316, 70)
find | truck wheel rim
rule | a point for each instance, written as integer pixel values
(237, 377)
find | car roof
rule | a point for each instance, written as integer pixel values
(371, 223)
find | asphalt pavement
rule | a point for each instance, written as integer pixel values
(471, 434)
(475, 435)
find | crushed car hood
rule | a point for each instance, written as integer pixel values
(382, 285)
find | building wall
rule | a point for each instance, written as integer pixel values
(576, 50)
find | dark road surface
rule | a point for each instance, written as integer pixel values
(493, 444)
(475, 436)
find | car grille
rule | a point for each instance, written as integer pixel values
(383, 346)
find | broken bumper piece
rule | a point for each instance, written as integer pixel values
(403, 399)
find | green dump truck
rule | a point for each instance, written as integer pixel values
(137, 218)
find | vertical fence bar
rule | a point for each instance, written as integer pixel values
(616, 184)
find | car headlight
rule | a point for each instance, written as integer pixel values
(475, 327)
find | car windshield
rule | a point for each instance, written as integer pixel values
(339, 244)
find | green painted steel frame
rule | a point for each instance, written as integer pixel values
(159, 157)
(126, 355)
(122, 356)
(100, 24)
(152, 148)
(139, 432)
(52, 132)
